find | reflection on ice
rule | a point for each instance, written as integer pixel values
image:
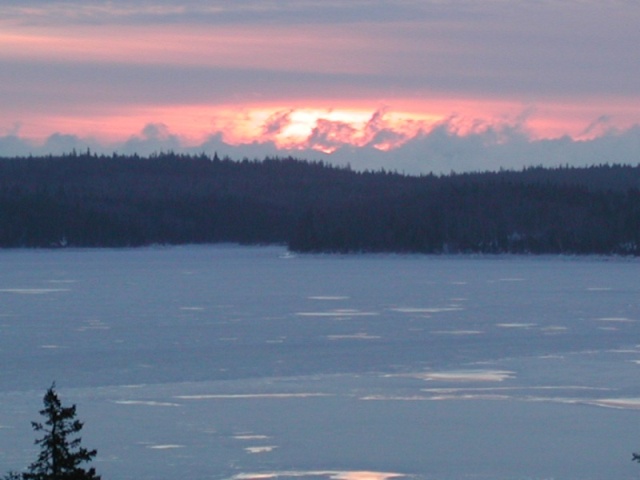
(33, 291)
(329, 297)
(341, 312)
(355, 336)
(148, 403)
(334, 475)
(518, 389)
(470, 396)
(458, 332)
(466, 376)
(250, 395)
(365, 475)
(396, 398)
(554, 329)
(622, 403)
(427, 310)
(565, 394)
(515, 325)
(94, 325)
(615, 319)
(261, 449)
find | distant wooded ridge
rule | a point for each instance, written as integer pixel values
(86, 200)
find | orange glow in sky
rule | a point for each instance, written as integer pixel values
(324, 129)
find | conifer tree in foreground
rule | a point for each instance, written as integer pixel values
(61, 455)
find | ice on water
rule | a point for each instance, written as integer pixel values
(236, 363)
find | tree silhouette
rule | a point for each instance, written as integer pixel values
(60, 452)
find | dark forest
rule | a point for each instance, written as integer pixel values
(87, 200)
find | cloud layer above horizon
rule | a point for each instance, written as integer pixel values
(413, 86)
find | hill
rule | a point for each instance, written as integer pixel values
(85, 200)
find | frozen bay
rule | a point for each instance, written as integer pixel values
(247, 362)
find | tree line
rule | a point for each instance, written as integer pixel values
(88, 200)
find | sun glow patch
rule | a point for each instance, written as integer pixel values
(321, 128)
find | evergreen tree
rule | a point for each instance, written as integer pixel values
(12, 476)
(60, 452)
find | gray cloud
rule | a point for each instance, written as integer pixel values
(327, 135)
(86, 85)
(497, 47)
(443, 151)
(277, 122)
(440, 150)
(155, 137)
(212, 12)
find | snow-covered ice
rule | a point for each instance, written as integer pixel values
(234, 362)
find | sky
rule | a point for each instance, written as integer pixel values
(414, 86)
